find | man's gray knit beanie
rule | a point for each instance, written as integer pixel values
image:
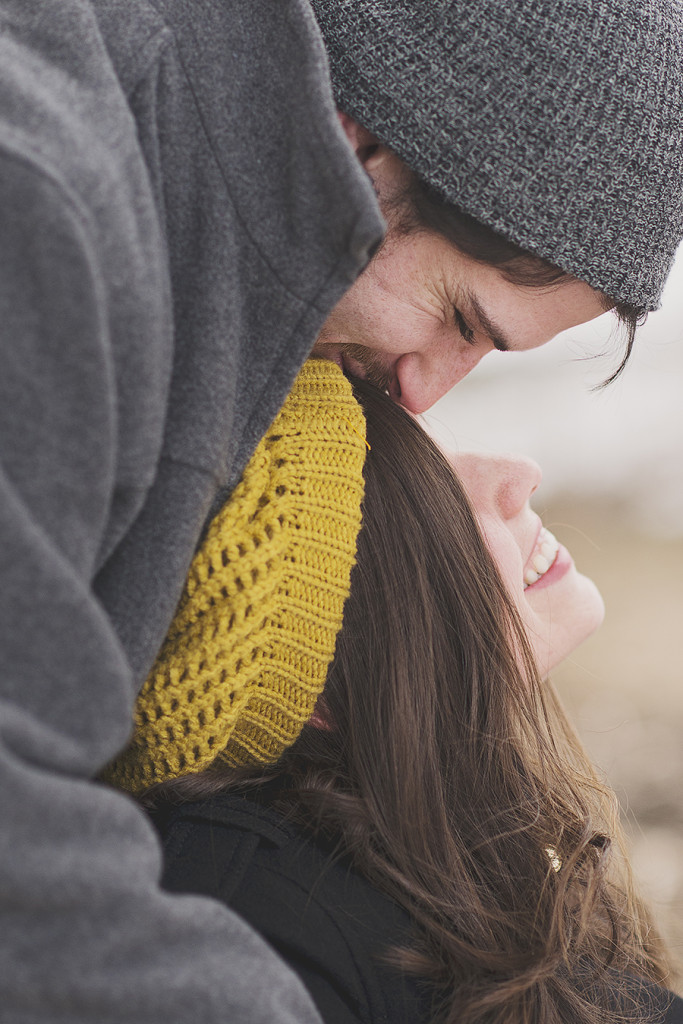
(558, 123)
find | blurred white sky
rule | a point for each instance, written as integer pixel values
(623, 444)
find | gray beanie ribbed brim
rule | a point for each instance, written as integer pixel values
(557, 124)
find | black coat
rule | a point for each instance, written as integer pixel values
(326, 920)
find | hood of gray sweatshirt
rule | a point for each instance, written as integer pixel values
(180, 211)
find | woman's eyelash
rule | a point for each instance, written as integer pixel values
(463, 326)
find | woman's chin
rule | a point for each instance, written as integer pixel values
(590, 610)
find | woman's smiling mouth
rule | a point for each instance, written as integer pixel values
(542, 557)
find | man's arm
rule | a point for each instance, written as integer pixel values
(85, 934)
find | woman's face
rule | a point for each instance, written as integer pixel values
(558, 606)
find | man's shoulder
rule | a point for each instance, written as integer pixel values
(75, 201)
(63, 113)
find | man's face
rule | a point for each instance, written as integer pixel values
(422, 315)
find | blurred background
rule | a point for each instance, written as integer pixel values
(613, 494)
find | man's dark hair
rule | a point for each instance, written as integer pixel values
(423, 208)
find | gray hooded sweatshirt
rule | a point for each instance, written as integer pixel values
(179, 212)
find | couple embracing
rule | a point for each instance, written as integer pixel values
(329, 639)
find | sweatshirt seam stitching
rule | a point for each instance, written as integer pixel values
(224, 177)
(212, 473)
(42, 171)
(149, 53)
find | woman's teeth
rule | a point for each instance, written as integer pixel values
(542, 558)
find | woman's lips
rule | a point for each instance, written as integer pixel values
(542, 556)
(559, 567)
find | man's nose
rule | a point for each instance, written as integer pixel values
(421, 380)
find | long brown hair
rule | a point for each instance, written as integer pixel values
(449, 772)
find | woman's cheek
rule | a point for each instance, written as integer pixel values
(506, 554)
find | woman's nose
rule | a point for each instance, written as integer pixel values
(497, 484)
(518, 478)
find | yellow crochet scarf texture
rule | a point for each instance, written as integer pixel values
(248, 651)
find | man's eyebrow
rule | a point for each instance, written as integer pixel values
(489, 326)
